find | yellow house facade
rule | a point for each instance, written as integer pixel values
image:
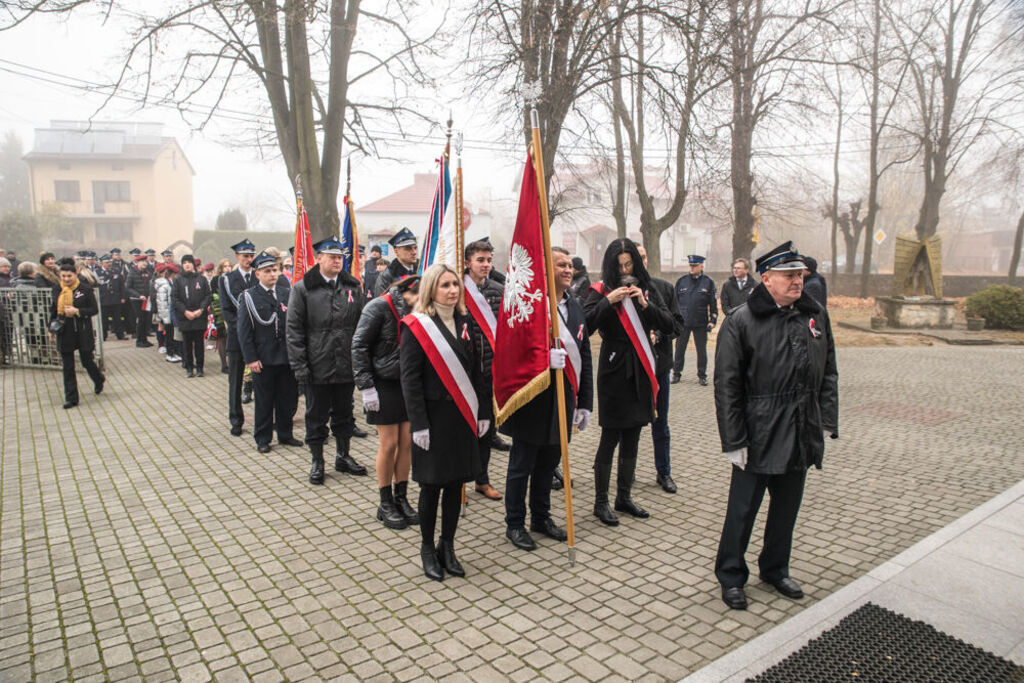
(117, 184)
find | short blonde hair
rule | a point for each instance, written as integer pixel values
(431, 278)
(273, 251)
(221, 265)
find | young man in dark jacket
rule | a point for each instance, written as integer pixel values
(738, 287)
(231, 287)
(695, 296)
(661, 343)
(112, 296)
(137, 286)
(323, 311)
(404, 263)
(191, 296)
(777, 398)
(262, 321)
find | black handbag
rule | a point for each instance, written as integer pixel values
(56, 325)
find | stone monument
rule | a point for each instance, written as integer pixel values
(916, 299)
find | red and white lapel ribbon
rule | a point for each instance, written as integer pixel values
(480, 310)
(447, 365)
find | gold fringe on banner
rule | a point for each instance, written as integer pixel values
(527, 393)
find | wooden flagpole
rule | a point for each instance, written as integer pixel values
(556, 341)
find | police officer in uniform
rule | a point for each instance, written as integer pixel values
(262, 316)
(231, 287)
(404, 263)
(695, 295)
(111, 285)
(323, 311)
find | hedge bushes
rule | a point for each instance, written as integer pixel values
(1001, 306)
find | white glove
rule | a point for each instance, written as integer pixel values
(482, 426)
(371, 401)
(738, 457)
(581, 418)
(556, 359)
(422, 439)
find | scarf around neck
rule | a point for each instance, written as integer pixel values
(67, 296)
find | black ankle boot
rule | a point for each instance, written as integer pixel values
(402, 503)
(316, 474)
(431, 565)
(246, 392)
(623, 501)
(602, 477)
(446, 556)
(388, 513)
(344, 462)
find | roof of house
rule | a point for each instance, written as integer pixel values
(105, 141)
(415, 198)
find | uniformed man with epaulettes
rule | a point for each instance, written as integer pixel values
(695, 296)
(231, 287)
(404, 263)
(262, 319)
(111, 285)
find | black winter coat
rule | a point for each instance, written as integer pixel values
(261, 332)
(321, 322)
(696, 300)
(392, 274)
(816, 288)
(111, 286)
(77, 332)
(492, 291)
(138, 283)
(624, 393)
(663, 346)
(454, 448)
(537, 422)
(732, 296)
(776, 383)
(189, 292)
(375, 353)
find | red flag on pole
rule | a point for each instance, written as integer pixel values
(303, 259)
(522, 341)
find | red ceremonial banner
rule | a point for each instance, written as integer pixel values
(521, 366)
(303, 259)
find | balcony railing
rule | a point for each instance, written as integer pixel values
(128, 209)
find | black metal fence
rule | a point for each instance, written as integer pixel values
(25, 339)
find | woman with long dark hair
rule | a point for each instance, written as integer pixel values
(625, 308)
(448, 402)
(74, 303)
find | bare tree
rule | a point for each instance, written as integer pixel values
(299, 57)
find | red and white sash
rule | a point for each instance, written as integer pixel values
(480, 310)
(447, 365)
(574, 368)
(630, 319)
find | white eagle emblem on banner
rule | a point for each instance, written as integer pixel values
(518, 302)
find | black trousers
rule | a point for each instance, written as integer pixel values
(485, 456)
(143, 322)
(700, 340)
(67, 361)
(529, 465)
(745, 494)
(193, 350)
(329, 402)
(277, 397)
(129, 314)
(113, 321)
(236, 367)
(628, 441)
(451, 502)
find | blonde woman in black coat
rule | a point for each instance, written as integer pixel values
(448, 403)
(74, 303)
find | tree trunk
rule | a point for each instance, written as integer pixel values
(851, 252)
(835, 182)
(1015, 258)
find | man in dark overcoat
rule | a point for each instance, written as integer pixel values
(776, 396)
(738, 287)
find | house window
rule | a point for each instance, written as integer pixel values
(66, 191)
(64, 166)
(113, 232)
(111, 191)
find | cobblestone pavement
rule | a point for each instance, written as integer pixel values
(139, 539)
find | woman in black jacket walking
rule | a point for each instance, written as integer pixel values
(625, 380)
(448, 402)
(74, 303)
(376, 366)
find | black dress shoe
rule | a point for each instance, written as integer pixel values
(557, 482)
(787, 587)
(521, 539)
(446, 556)
(246, 398)
(70, 404)
(236, 431)
(98, 387)
(734, 598)
(346, 463)
(189, 374)
(675, 379)
(199, 372)
(263, 448)
(224, 370)
(290, 441)
(549, 529)
(666, 483)
(499, 444)
(604, 513)
(358, 433)
(431, 565)
(629, 506)
(703, 381)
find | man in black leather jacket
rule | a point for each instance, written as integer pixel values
(776, 395)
